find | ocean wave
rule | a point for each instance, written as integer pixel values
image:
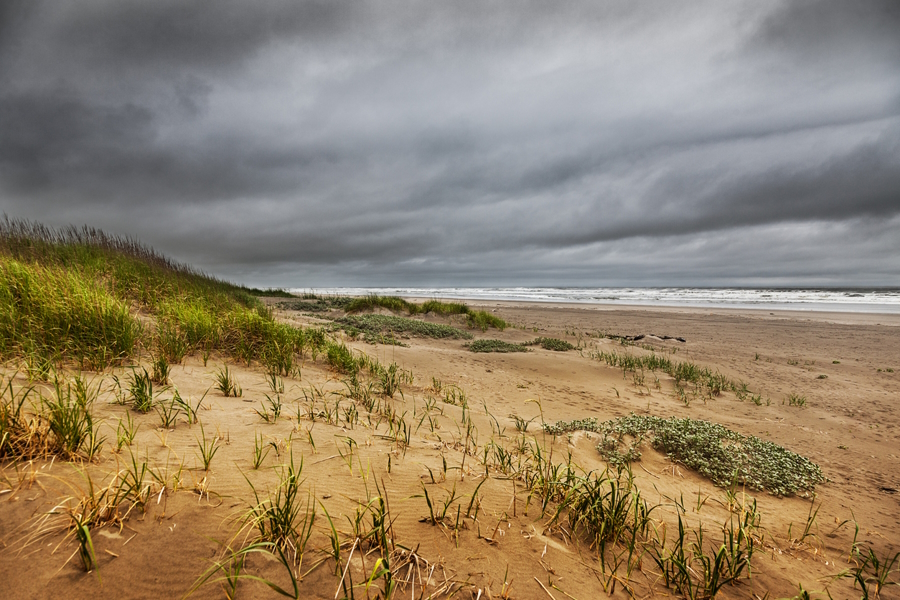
(843, 300)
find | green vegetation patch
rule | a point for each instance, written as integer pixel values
(554, 344)
(482, 320)
(495, 346)
(316, 304)
(373, 301)
(476, 318)
(724, 456)
(270, 293)
(444, 309)
(704, 380)
(71, 294)
(392, 326)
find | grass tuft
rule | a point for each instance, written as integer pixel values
(391, 325)
(554, 344)
(495, 346)
(482, 320)
(70, 295)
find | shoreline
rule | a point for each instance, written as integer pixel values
(836, 316)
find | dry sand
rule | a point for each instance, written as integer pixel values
(850, 426)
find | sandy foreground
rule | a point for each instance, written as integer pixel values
(850, 426)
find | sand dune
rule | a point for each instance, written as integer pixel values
(849, 425)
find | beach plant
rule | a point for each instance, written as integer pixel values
(341, 358)
(554, 344)
(168, 413)
(71, 294)
(260, 451)
(140, 387)
(389, 380)
(286, 517)
(70, 418)
(85, 544)
(226, 383)
(521, 423)
(227, 571)
(495, 346)
(444, 309)
(208, 448)
(874, 573)
(483, 320)
(373, 301)
(126, 430)
(271, 410)
(793, 399)
(161, 370)
(378, 325)
(190, 410)
(276, 383)
(718, 453)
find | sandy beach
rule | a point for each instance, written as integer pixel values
(844, 367)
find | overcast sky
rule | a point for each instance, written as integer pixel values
(307, 144)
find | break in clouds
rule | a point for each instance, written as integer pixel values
(469, 143)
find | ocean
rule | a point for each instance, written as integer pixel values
(882, 300)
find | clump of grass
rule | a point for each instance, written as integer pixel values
(227, 384)
(387, 324)
(341, 358)
(316, 304)
(140, 385)
(161, 370)
(444, 309)
(270, 293)
(722, 455)
(70, 418)
(21, 434)
(705, 382)
(68, 295)
(483, 319)
(873, 573)
(551, 344)
(207, 447)
(793, 399)
(495, 346)
(284, 518)
(373, 301)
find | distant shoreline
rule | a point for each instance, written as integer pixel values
(876, 301)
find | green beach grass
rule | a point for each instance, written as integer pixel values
(75, 295)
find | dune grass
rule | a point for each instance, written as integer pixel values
(704, 381)
(71, 295)
(475, 318)
(554, 344)
(444, 309)
(391, 325)
(495, 346)
(373, 301)
(316, 304)
(270, 293)
(482, 320)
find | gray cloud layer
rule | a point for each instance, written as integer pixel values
(328, 143)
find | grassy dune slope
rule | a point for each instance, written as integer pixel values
(77, 295)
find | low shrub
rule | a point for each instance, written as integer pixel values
(495, 346)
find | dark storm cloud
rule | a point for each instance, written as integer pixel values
(304, 143)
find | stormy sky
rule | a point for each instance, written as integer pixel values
(307, 144)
